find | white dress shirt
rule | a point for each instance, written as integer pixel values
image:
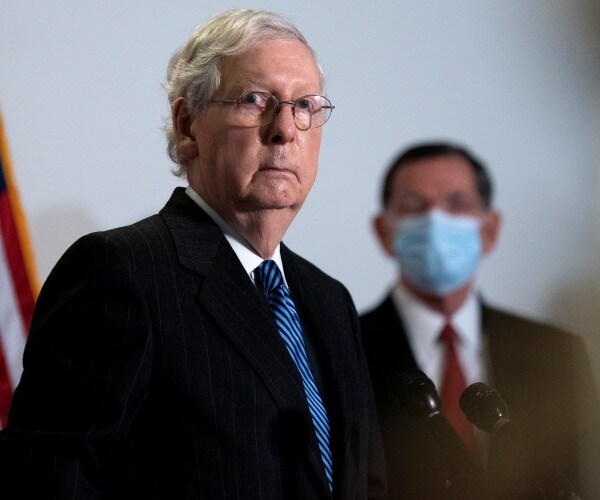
(423, 327)
(244, 251)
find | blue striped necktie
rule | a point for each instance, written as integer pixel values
(288, 324)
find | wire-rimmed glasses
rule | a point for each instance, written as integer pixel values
(254, 109)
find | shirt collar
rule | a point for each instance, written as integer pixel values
(423, 324)
(248, 257)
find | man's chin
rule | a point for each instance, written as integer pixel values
(276, 202)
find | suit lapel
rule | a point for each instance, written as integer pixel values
(394, 352)
(317, 318)
(233, 302)
(509, 366)
(338, 351)
(230, 298)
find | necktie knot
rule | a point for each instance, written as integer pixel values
(269, 276)
(448, 335)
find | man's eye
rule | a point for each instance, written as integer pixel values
(460, 204)
(305, 104)
(254, 98)
(412, 204)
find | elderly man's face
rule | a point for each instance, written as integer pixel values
(240, 169)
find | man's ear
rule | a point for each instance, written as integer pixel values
(181, 116)
(384, 232)
(490, 231)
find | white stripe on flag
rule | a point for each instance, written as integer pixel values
(12, 332)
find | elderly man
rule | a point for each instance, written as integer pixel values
(438, 222)
(192, 354)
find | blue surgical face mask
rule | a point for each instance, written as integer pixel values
(438, 252)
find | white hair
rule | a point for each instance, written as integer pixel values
(194, 70)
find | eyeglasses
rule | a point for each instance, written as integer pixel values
(259, 108)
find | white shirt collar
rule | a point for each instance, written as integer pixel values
(423, 326)
(248, 257)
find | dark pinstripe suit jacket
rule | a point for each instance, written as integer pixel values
(153, 370)
(541, 372)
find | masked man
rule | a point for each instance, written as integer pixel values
(437, 221)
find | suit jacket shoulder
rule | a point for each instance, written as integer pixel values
(522, 349)
(386, 344)
(154, 370)
(541, 371)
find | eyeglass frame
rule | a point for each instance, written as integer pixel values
(277, 108)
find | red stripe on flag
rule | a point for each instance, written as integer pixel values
(5, 390)
(15, 260)
(18, 280)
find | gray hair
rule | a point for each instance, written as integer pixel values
(194, 70)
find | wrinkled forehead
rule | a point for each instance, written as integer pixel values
(287, 57)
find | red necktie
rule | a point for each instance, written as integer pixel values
(453, 385)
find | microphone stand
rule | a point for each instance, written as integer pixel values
(511, 466)
(417, 393)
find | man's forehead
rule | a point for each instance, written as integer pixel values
(265, 58)
(443, 173)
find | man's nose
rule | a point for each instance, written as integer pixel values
(283, 128)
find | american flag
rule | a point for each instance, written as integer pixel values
(18, 282)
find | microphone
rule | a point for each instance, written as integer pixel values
(418, 395)
(514, 473)
(484, 407)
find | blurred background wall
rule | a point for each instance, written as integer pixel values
(517, 81)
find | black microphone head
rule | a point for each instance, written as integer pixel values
(417, 393)
(483, 406)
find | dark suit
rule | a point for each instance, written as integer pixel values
(154, 370)
(538, 370)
